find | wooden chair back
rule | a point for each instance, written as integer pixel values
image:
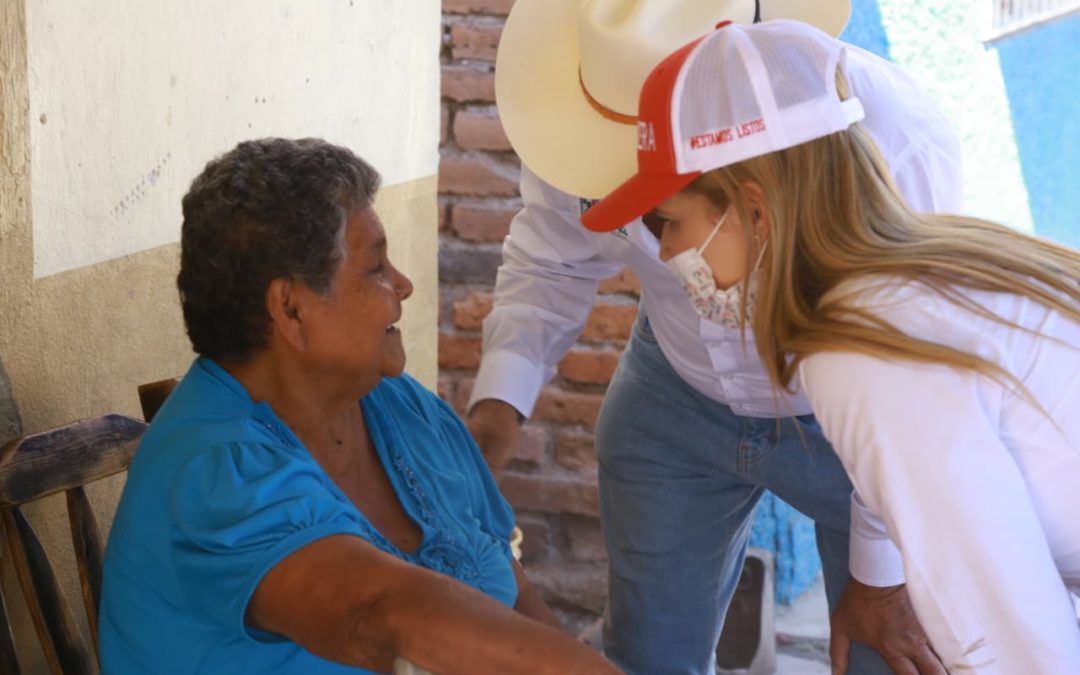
(34, 466)
(153, 395)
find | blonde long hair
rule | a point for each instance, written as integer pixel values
(836, 216)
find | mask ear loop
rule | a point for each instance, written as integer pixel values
(760, 257)
(719, 224)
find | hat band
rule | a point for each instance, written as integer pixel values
(606, 112)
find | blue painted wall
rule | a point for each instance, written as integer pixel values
(865, 29)
(1041, 69)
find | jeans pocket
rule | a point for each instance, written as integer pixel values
(643, 329)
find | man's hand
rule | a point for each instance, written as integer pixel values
(883, 619)
(494, 426)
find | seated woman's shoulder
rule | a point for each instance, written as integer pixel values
(405, 391)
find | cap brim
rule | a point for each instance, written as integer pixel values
(633, 199)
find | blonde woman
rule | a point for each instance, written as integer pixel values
(941, 354)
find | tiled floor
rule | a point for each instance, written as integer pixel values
(808, 617)
(790, 665)
(802, 632)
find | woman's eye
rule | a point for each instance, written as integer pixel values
(656, 223)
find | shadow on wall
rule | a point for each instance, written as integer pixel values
(1043, 86)
(10, 423)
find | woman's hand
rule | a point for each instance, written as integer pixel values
(495, 425)
(883, 619)
(529, 601)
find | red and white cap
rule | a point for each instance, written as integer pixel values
(739, 92)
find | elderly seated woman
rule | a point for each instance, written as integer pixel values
(299, 505)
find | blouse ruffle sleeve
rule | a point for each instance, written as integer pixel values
(455, 455)
(238, 510)
(491, 508)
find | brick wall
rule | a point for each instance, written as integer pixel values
(551, 481)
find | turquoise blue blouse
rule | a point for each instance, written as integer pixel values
(221, 490)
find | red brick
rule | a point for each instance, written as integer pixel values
(549, 494)
(568, 407)
(444, 124)
(446, 388)
(623, 282)
(589, 366)
(537, 542)
(581, 585)
(481, 223)
(609, 322)
(478, 41)
(461, 352)
(469, 312)
(532, 445)
(462, 83)
(477, 175)
(575, 450)
(444, 216)
(480, 130)
(462, 391)
(582, 539)
(497, 7)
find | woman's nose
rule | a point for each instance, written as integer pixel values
(665, 246)
(403, 285)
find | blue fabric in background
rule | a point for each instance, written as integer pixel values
(778, 527)
(789, 534)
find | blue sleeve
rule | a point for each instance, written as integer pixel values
(238, 510)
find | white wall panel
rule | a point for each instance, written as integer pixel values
(129, 99)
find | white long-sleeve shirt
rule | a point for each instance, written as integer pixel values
(552, 266)
(978, 486)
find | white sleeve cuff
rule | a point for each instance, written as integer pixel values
(873, 558)
(509, 377)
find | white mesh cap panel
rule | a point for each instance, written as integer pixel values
(800, 78)
(750, 90)
(713, 90)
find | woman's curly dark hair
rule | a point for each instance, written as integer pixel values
(270, 208)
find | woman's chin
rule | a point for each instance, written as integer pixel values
(394, 365)
(393, 360)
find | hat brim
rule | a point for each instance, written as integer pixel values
(550, 123)
(633, 199)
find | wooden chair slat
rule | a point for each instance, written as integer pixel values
(60, 640)
(152, 395)
(41, 464)
(9, 662)
(89, 554)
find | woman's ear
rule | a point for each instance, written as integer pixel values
(758, 206)
(286, 318)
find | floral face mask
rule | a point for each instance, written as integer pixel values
(696, 276)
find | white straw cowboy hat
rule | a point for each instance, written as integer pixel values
(569, 72)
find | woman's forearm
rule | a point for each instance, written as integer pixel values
(447, 627)
(346, 601)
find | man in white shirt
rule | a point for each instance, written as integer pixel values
(689, 437)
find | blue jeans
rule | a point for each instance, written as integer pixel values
(680, 475)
